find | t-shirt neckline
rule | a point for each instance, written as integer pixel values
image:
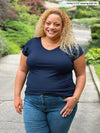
(48, 49)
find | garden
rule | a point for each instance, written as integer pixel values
(89, 17)
(18, 19)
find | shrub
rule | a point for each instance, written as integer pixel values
(18, 32)
(30, 19)
(84, 12)
(93, 56)
(4, 50)
(35, 6)
(94, 43)
(95, 31)
(6, 12)
(65, 10)
(13, 48)
(94, 20)
(7, 47)
(87, 21)
(24, 16)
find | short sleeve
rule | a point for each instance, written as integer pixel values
(25, 50)
(77, 52)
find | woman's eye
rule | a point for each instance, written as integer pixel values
(47, 23)
(57, 24)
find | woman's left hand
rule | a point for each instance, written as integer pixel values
(68, 108)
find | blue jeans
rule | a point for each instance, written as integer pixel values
(42, 114)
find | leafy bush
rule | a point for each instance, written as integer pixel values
(94, 20)
(94, 43)
(6, 12)
(93, 56)
(87, 21)
(95, 31)
(95, 35)
(24, 16)
(34, 6)
(3, 46)
(13, 48)
(18, 32)
(84, 12)
(7, 47)
(30, 19)
(65, 10)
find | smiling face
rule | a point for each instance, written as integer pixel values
(53, 26)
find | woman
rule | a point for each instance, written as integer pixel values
(51, 96)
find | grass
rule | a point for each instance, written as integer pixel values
(97, 69)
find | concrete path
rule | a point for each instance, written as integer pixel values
(87, 119)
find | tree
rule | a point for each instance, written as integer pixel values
(36, 6)
(6, 12)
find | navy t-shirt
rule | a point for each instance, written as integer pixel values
(50, 71)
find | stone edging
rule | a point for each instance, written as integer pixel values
(95, 78)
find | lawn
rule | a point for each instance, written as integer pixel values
(97, 69)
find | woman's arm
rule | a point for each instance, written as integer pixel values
(80, 72)
(19, 82)
(79, 68)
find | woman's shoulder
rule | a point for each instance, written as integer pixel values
(33, 39)
(77, 52)
(27, 48)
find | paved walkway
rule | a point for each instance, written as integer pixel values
(87, 119)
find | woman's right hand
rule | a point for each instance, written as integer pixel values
(18, 104)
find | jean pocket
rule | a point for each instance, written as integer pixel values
(62, 98)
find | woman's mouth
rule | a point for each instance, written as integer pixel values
(51, 32)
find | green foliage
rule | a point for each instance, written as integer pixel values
(7, 47)
(34, 6)
(6, 12)
(95, 31)
(65, 10)
(95, 27)
(87, 21)
(30, 19)
(14, 48)
(20, 9)
(24, 16)
(94, 43)
(95, 35)
(18, 32)
(84, 12)
(93, 56)
(97, 68)
(3, 46)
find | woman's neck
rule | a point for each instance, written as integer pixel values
(50, 41)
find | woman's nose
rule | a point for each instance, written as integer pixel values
(51, 26)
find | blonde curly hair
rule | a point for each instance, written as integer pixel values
(67, 39)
